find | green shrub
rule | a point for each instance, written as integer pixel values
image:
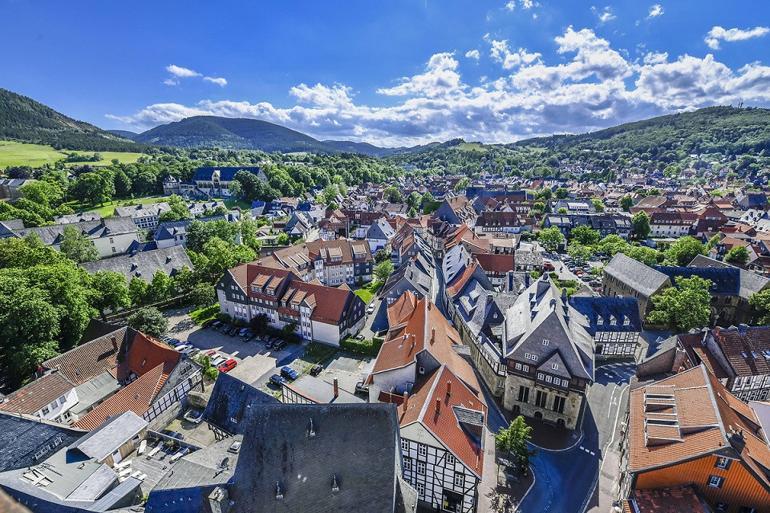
(366, 347)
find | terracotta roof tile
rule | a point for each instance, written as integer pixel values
(41, 392)
(142, 354)
(90, 359)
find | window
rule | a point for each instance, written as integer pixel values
(407, 464)
(548, 379)
(555, 366)
(422, 450)
(421, 468)
(420, 490)
(540, 376)
(450, 459)
(716, 481)
(404, 445)
(45, 410)
(723, 463)
(540, 399)
(525, 368)
(517, 366)
(459, 480)
(546, 341)
(523, 394)
(558, 404)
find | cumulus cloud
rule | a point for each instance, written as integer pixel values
(179, 71)
(717, 34)
(220, 81)
(525, 4)
(500, 52)
(591, 86)
(604, 15)
(473, 54)
(655, 11)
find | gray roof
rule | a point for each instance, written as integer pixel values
(77, 218)
(352, 445)
(152, 209)
(110, 436)
(635, 274)
(93, 229)
(27, 440)
(320, 391)
(540, 313)
(750, 283)
(94, 390)
(143, 264)
(168, 229)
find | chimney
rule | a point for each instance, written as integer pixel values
(449, 389)
(432, 335)
(406, 399)
(114, 341)
(438, 406)
(336, 388)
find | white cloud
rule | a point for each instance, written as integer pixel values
(510, 5)
(500, 52)
(525, 4)
(220, 81)
(473, 54)
(655, 11)
(590, 86)
(604, 15)
(179, 71)
(717, 34)
(171, 82)
(528, 4)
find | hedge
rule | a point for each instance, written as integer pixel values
(366, 347)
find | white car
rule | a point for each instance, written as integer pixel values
(181, 347)
(370, 309)
(218, 360)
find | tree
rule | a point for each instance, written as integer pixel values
(684, 306)
(78, 247)
(49, 194)
(462, 184)
(760, 301)
(110, 292)
(199, 233)
(283, 239)
(178, 211)
(551, 238)
(392, 194)
(381, 255)
(259, 323)
(428, 203)
(579, 252)
(94, 188)
(647, 256)
(149, 321)
(598, 204)
(738, 255)
(219, 256)
(626, 202)
(203, 295)
(249, 229)
(513, 442)
(137, 291)
(122, 184)
(640, 225)
(684, 250)
(585, 235)
(235, 188)
(414, 199)
(161, 287)
(562, 193)
(383, 270)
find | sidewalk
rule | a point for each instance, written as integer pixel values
(490, 494)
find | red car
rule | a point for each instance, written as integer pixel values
(228, 365)
(548, 266)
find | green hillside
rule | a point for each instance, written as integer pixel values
(24, 119)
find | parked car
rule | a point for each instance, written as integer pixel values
(229, 365)
(244, 332)
(175, 342)
(269, 343)
(315, 370)
(279, 345)
(208, 323)
(194, 416)
(216, 325)
(289, 373)
(218, 360)
(182, 347)
(211, 353)
(370, 309)
(548, 267)
(277, 380)
(191, 352)
(172, 434)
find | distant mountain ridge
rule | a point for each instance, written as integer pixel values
(24, 119)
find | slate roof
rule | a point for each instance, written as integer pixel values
(38, 393)
(540, 313)
(419, 281)
(170, 229)
(27, 440)
(635, 274)
(230, 401)
(750, 283)
(143, 264)
(724, 281)
(52, 234)
(320, 391)
(142, 210)
(347, 439)
(599, 313)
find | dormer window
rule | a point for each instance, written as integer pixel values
(599, 320)
(546, 341)
(555, 366)
(613, 321)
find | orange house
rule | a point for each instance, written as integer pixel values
(689, 430)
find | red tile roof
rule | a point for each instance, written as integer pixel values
(433, 405)
(41, 392)
(496, 263)
(90, 359)
(459, 281)
(136, 396)
(142, 354)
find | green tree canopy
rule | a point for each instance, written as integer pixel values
(149, 321)
(551, 238)
(585, 235)
(640, 225)
(179, 210)
(685, 306)
(109, 291)
(383, 270)
(513, 440)
(77, 246)
(684, 250)
(738, 255)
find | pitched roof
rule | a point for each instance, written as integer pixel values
(88, 360)
(26, 440)
(143, 264)
(750, 283)
(691, 414)
(142, 354)
(724, 280)
(451, 411)
(747, 349)
(231, 399)
(496, 263)
(33, 396)
(608, 313)
(635, 274)
(136, 397)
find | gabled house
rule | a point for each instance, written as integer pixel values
(456, 210)
(614, 324)
(112, 236)
(144, 264)
(625, 276)
(687, 429)
(549, 356)
(379, 234)
(144, 216)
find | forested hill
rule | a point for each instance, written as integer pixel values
(24, 119)
(729, 131)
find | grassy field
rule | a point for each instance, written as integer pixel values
(367, 292)
(108, 209)
(14, 153)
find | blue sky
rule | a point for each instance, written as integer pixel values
(387, 72)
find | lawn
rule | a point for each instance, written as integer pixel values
(108, 209)
(367, 292)
(202, 315)
(14, 153)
